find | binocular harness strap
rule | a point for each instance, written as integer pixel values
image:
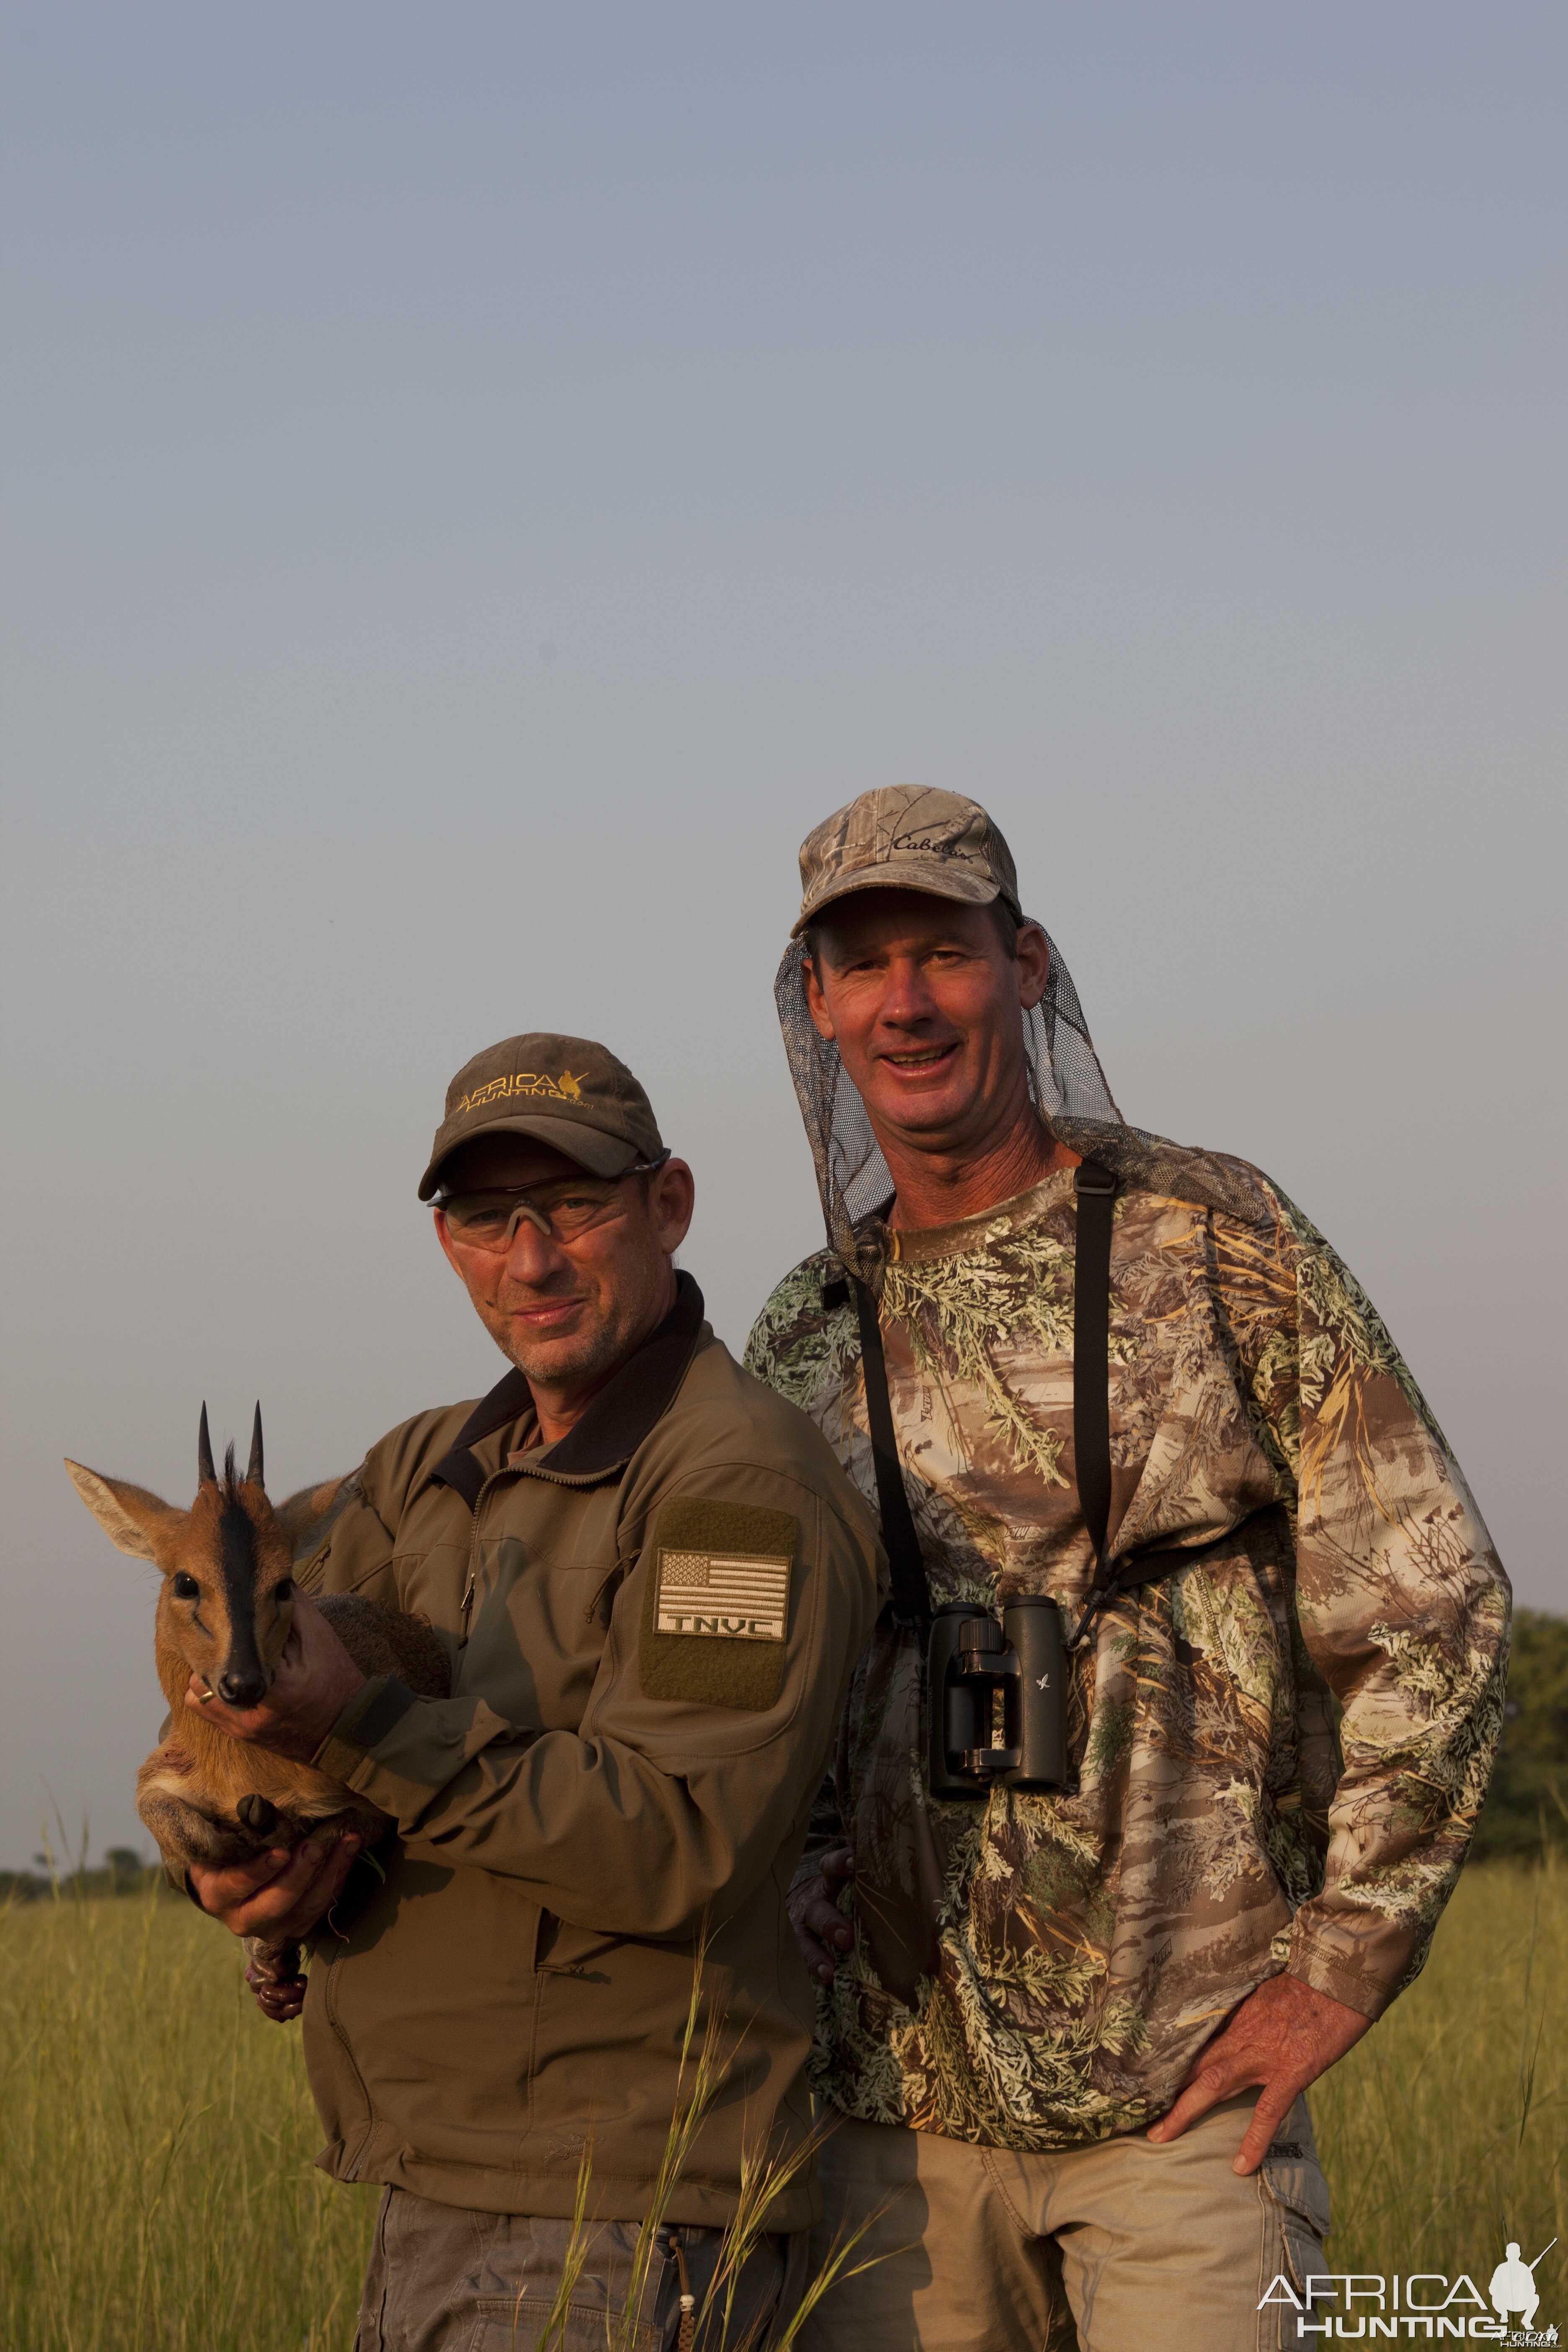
(911, 1593)
(1096, 1189)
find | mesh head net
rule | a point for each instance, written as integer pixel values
(1069, 1090)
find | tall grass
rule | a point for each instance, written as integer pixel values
(714, 2317)
(156, 2191)
(1445, 2132)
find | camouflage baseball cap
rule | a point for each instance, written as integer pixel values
(563, 1091)
(905, 837)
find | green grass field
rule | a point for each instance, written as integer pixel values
(1444, 2133)
(156, 2191)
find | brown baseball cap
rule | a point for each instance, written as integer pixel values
(563, 1091)
(906, 837)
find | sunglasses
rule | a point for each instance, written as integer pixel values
(563, 1211)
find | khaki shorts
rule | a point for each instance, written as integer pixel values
(1122, 2247)
(442, 2279)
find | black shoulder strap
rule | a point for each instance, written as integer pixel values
(911, 1593)
(1096, 1191)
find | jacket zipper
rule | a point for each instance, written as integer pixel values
(467, 1600)
(470, 1585)
(466, 1605)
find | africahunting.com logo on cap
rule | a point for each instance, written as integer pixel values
(565, 1089)
(1356, 2306)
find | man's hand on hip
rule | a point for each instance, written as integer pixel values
(821, 1930)
(1283, 2036)
(315, 1680)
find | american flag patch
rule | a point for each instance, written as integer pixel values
(743, 1594)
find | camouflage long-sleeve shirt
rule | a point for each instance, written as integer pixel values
(1036, 1971)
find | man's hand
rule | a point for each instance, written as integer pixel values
(821, 1930)
(315, 1680)
(1283, 2036)
(277, 1895)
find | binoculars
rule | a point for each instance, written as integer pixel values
(978, 1668)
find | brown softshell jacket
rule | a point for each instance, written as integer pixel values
(605, 1789)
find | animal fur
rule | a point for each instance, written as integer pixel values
(223, 1612)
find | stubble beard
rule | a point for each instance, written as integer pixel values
(586, 1355)
(549, 1362)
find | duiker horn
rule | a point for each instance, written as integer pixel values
(205, 1467)
(252, 1467)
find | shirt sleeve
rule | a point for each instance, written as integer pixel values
(1401, 1603)
(824, 1831)
(668, 1805)
(355, 1556)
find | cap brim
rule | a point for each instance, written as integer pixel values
(916, 874)
(590, 1146)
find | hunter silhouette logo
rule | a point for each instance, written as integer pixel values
(1513, 2289)
(1352, 2306)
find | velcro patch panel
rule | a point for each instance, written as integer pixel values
(716, 1612)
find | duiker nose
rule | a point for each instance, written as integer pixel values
(241, 1690)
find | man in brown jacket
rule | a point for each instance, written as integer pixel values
(653, 1579)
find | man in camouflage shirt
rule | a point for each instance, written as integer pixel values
(1043, 2018)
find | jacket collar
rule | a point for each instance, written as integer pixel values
(613, 1427)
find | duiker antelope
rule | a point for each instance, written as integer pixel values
(225, 1609)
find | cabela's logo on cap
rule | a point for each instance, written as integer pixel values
(565, 1089)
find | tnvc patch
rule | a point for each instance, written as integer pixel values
(716, 1602)
(741, 1596)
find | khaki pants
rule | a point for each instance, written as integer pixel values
(442, 2279)
(1123, 2247)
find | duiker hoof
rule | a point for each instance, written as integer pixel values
(258, 1814)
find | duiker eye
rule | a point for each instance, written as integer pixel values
(284, 1589)
(186, 1587)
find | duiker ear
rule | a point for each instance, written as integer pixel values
(129, 1516)
(305, 1518)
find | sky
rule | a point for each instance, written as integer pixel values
(482, 481)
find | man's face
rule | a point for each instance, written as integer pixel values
(923, 1002)
(568, 1310)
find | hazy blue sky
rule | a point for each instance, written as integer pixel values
(483, 481)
